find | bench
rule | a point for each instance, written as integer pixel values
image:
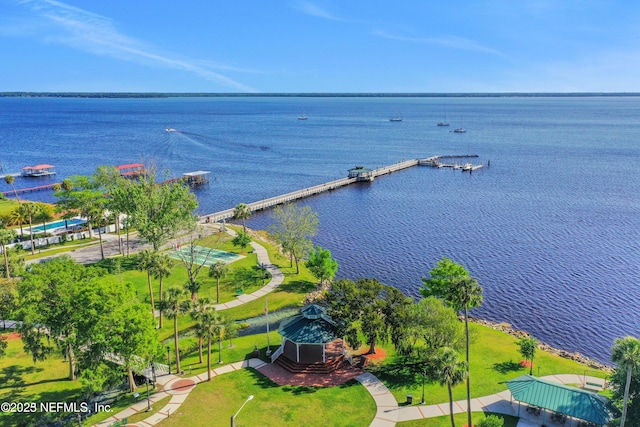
(589, 385)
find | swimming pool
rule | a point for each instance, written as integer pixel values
(53, 226)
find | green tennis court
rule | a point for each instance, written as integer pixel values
(202, 255)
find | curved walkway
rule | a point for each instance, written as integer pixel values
(388, 411)
(276, 278)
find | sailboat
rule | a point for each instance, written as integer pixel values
(460, 129)
(396, 118)
(303, 116)
(445, 123)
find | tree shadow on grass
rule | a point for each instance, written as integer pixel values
(397, 375)
(12, 376)
(297, 286)
(506, 367)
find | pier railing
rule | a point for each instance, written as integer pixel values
(332, 185)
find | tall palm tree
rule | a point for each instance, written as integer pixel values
(469, 295)
(198, 310)
(146, 262)
(209, 325)
(218, 270)
(161, 268)
(29, 211)
(6, 237)
(626, 351)
(44, 213)
(243, 212)
(9, 180)
(175, 302)
(16, 217)
(450, 371)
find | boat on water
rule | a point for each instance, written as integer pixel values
(395, 119)
(171, 130)
(461, 129)
(38, 171)
(303, 116)
(445, 122)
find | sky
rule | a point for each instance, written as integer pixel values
(302, 46)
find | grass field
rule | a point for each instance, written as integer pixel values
(213, 403)
(494, 359)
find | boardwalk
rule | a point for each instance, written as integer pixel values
(329, 186)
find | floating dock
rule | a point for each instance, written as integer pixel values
(357, 174)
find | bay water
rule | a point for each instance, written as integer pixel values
(551, 229)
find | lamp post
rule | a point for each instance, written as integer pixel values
(233, 418)
(148, 401)
(424, 375)
(169, 358)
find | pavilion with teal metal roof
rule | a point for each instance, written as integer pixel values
(557, 400)
(306, 335)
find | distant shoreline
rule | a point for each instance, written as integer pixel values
(22, 94)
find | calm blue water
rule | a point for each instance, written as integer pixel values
(551, 229)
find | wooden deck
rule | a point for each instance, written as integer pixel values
(329, 186)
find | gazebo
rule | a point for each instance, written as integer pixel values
(360, 173)
(309, 337)
(561, 401)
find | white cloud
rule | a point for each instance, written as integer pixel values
(312, 9)
(98, 35)
(446, 41)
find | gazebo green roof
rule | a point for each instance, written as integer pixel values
(570, 401)
(311, 326)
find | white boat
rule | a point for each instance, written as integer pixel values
(445, 123)
(171, 130)
(460, 129)
(303, 116)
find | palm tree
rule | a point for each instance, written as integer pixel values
(243, 212)
(450, 371)
(626, 351)
(6, 237)
(198, 310)
(209, 325)
(9, 180)
(175, 302)
(147, 261)
(16, 217)
(29, 210)
(44, 213)
(161, 268)
(469, 295)
(528, 346)
(218, 270)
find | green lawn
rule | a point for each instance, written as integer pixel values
(494, 359)
(6, 206)
(461, 419)
(23, 381)
(213, 403)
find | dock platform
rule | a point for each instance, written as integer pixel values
(369, 175)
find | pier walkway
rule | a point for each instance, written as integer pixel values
(329, 186)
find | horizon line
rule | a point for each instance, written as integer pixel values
(128, 94)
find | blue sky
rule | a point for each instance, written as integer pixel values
(320, 46)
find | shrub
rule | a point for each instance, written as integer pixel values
(491, 421)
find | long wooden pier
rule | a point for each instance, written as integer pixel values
(29, 189)
(329, 186)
